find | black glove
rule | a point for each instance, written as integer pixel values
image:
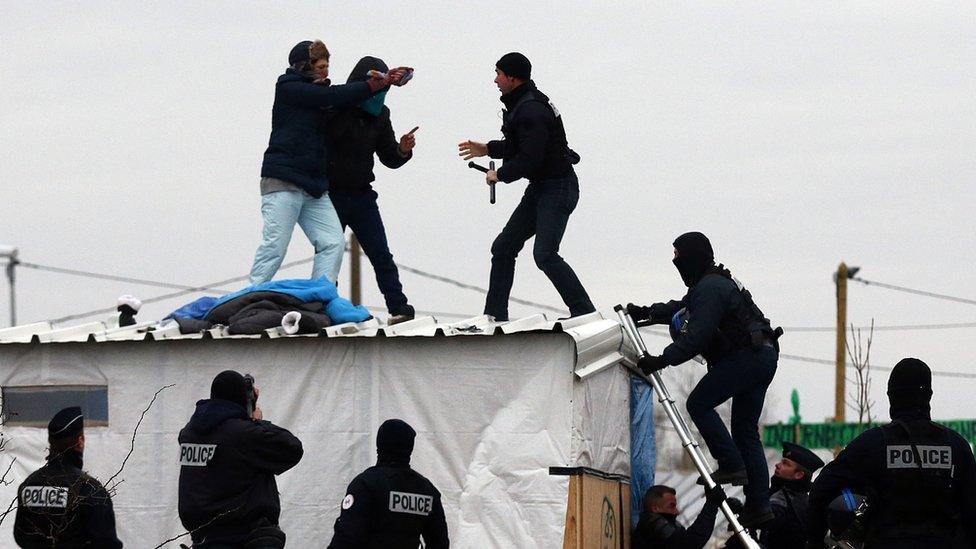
(715, 495)
(735, 504)
(638, 312)
(649, 364)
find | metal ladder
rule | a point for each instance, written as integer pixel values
(684, 433)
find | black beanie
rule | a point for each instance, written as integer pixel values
(909, 386)
(68, 423)
(230, 386)
(299, 53)
(694, 256)
(394, 441)
(516, 65)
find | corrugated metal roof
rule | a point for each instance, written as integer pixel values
(598, 340)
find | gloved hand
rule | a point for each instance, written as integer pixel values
(638, 312)
(715, 495)
(650, 364)
(735, 504)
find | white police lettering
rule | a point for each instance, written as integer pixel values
(555, 111)
(415, 504)
(44, 496)
(196, 455)
(901, 456)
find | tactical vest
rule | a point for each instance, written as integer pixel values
(915, 496)
(404, 503)
(744, 325)
(558, 158)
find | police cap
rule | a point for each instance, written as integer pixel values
(67, 423)
(802, 456)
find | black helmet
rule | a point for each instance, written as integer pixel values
(843, 514)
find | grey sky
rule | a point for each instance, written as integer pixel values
(795, 135)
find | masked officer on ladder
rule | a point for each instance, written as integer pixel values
(229, 456)
(919, 476)
(389, 505)
(718, 319)
(535, 148)
(59, 505)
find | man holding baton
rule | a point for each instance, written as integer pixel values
(534, 147)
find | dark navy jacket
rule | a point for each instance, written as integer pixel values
(861, 466)
(59, 505)
(353, 136)
(297, 150)
(657, 531)
(390, 506)
(228, 464)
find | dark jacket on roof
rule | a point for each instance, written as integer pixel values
(296, 150)
(353, 135)
(235, 491)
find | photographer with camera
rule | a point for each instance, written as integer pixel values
(229, 456)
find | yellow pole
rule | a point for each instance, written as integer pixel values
(840, 376)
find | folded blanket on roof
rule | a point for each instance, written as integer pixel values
(339, 309)
(260, 315)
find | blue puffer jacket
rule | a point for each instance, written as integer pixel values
(296, 151)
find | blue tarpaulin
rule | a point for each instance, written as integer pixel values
(643, 456)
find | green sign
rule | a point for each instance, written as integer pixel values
(833, 435)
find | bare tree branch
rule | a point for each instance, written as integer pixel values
(132, 447)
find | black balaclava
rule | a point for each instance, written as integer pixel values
(910, 388)
(694, 257)
(365, 65)
(516, 65)
(394, 442)
(230, 386)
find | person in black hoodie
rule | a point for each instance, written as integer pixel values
(534, 147)
(919, 476)
(228, 496)
(389, 505)
(718, 319)
(60, 505)
(354, 135)
(294, 183)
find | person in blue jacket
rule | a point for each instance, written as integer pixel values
(294, 184)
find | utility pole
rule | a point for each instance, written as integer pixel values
(355, 272)
(840, 377)
(10, 253)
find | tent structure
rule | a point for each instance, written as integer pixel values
(495, 407)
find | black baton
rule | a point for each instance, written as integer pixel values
(491, 166)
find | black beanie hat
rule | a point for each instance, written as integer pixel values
(516, 65)
(230, 386)
(394, 441)
(694, 257)
(365, 65)
(299, 53)
(68, 423)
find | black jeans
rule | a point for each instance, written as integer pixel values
(361, 214)
(743, 375)
(543, 212)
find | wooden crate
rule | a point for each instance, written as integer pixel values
(598, 511)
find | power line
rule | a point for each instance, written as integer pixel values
(890, 328)
(466, 286)
(115, 278)
(914, 291)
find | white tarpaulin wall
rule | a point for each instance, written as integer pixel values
(492, 415)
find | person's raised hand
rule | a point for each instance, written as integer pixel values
(408, 141)
(378, 81)
(400, 75)
(472, 149)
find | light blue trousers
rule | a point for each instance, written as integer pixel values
(317, 218)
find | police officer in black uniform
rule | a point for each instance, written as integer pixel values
(789, 487)
(919, 476)
(658, 526)
(718, 319)
(228, 461)
(389, 505)
(534, 148)
(60, 505)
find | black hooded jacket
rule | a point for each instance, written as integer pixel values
(227, 473)
(61, 506)
(354, 135)
(535, 145)
(390, 506)
(660, 531)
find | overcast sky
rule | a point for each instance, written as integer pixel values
(794, 134)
